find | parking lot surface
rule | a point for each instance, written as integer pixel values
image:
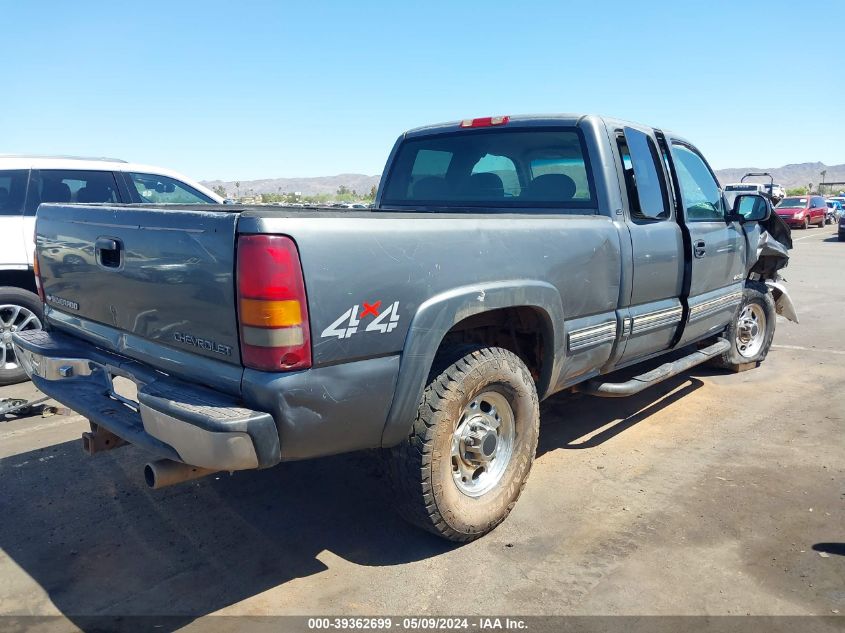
(712, 493)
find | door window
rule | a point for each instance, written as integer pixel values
(647, 194)
(699, 190)
(164, 190)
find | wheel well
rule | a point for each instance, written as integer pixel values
(521, 330)
(24, 279)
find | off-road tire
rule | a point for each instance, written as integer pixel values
(10, 295)
(755, 292)
(420, 467)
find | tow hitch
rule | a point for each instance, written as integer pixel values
(100, 439)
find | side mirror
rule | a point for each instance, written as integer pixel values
(751, 207)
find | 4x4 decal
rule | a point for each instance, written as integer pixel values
(348, 323)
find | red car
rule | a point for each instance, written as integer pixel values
(802, 211)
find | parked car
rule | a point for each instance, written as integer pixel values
(27, 181)
(834, 211)
(802, 211)
(506, 259)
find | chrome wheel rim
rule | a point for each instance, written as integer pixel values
(482, 444)
(13, 319)
(751, 330)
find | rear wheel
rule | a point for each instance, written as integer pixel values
(19, 310)
(468, 456)
(752, 329)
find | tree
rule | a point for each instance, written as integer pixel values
(342, 190)
(238, 188)
(372, 194)
(220, 190)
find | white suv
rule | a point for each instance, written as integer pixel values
(26, 182)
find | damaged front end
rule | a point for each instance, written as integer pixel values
(774, 240)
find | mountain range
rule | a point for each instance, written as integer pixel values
(796, 175)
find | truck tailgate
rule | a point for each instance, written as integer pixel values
(164, 275)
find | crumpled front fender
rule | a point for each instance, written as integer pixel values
(783, 302)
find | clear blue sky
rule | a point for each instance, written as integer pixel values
(243, 90)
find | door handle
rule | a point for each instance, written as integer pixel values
(699, 249)
(108, 252)
(106, 244)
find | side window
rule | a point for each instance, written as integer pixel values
(164, 190)
(62, 185)
(494, 177)
(13, 191)
(699, 190)
(644, 180)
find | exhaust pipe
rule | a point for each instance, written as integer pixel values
(165, 472)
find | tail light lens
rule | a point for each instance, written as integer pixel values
(272, 306)
(38, 285)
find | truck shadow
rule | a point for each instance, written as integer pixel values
(99, 543)
(584, 422)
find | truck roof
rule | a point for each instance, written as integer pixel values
(539, 120)
(522, 120)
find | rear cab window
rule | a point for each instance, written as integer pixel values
(498, 170)
(157, 189)
(13, 191)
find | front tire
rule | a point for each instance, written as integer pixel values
(465, 463)
(752, 329)
(19, 310)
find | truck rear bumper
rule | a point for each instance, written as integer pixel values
(170, 418)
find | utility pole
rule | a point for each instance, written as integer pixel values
(821, 186)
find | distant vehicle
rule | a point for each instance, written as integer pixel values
(803, 211)
(26, 182)
(842, 228)
(734, 189)
(834, 211)
(776, 192)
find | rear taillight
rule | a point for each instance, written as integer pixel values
(38, 285)
(272, 306)
(486, 121)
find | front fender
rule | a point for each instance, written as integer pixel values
(436, 316)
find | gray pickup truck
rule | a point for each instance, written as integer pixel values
(506, 259)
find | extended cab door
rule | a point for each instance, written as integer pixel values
(717, 258)
(650, 322)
